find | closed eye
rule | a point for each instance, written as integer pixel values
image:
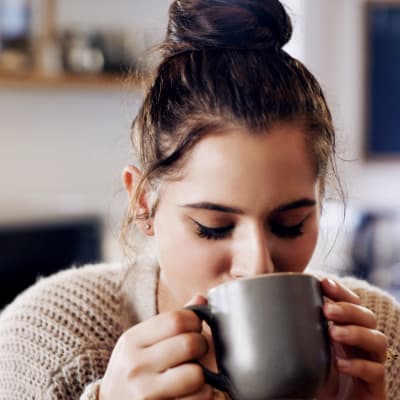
(212, 233)
(285, 231)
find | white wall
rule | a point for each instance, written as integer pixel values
(60, 141)
(335, 52)
(62, 150)
(62, 153)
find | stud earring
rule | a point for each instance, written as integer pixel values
(147, 226)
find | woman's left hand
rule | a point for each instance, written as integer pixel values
(354, 329)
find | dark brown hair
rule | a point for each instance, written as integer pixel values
(223, 64)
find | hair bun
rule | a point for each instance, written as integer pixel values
(235, 24)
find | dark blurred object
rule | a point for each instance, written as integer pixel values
(376, 250)
(363, 245)
(28, 252)
(15, 36)
(94, 51)
(382, 113)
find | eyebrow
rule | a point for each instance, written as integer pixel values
(205, 205)
(297, 204)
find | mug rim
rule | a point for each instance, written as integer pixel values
(262, 276)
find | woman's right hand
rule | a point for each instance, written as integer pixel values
(155, 360)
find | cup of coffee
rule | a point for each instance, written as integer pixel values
(270, 336)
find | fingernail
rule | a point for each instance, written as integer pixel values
(343, 363)
(331, 283)
(197, 299)
(333, 309)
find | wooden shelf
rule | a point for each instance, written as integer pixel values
(71, 81)
(36, 78)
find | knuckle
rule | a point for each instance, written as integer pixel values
(126, 350)
(177, 322)
(194, 380)
(208, 392)
(197, 375)
(135, 367)
(129, 356)
(141, 391)
(204, 393)
(126, 341)
(192, 346)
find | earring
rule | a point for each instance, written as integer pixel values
(147, 226)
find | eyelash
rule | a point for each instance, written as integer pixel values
(286, 232)
(213, 233)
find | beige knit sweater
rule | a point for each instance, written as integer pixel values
(57, 337)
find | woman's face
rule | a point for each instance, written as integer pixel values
(246, 205)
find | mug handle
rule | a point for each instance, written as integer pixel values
(217, 380)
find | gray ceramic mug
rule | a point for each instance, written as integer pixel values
(270, 336)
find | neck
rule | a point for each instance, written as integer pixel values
(165, 301)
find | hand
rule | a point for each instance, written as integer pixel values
(154, 360)
(353, 330)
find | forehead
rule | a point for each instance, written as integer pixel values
(240, 165)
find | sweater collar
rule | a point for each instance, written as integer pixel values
(139, 291)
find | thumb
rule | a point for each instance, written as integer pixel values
(196, 300)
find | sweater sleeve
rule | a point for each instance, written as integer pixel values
(57, 337)
(80, 378)
(387, 311)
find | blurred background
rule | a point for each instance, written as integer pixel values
(70, 87)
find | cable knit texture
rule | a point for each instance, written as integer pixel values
(387, 311)
(57, 337)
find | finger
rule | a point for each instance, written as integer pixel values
(337, 292)
(372, 373)
(181, 381)
(196, 300)
(217, 395)
(205, 393)
(175, 351)
(371, 341)
(348, 313)
(163, 326)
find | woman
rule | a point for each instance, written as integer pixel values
(235, 143)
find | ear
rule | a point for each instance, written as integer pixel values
(131, 177)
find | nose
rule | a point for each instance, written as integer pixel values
(253, 255)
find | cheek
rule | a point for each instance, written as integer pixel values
(294, 256)
(187, 260)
